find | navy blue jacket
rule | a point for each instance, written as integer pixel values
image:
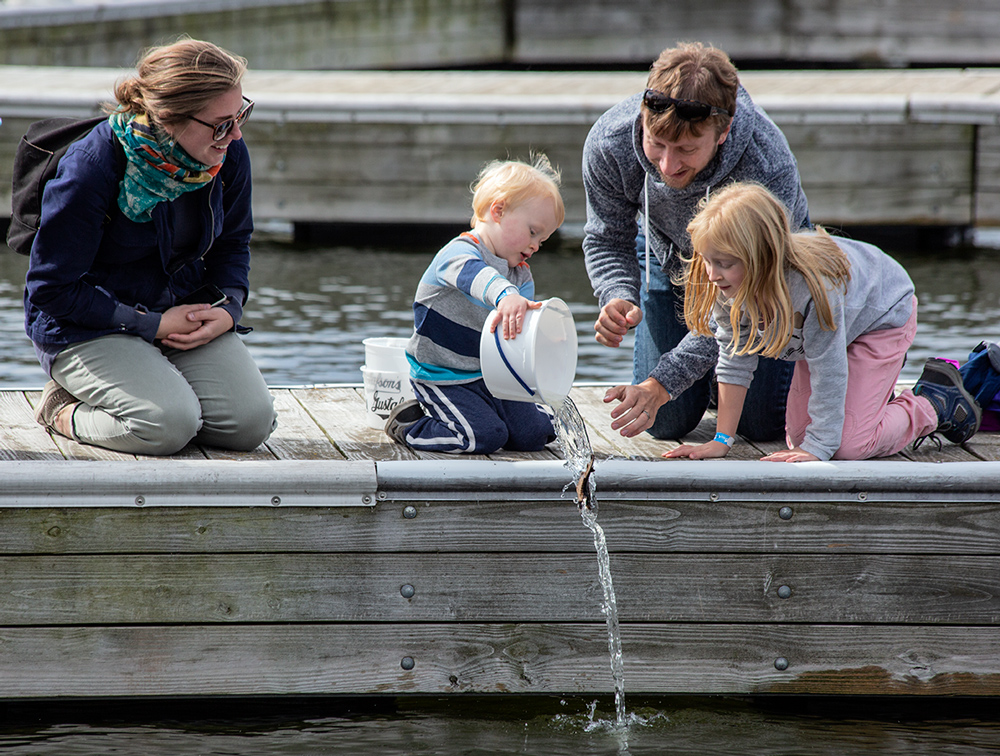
(94, 272)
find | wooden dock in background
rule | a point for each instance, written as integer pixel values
(331, 561)
(890, 147)
(360, 34)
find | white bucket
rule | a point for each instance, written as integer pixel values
(537, 366)
(386, 354)
(386, 375)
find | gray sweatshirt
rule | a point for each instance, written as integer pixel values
(879, 295)
(616, 176)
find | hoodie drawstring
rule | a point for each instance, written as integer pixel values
(645, 228)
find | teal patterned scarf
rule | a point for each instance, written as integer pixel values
(156, 171)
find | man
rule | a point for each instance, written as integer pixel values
(654, 157)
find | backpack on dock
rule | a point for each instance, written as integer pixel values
(35, 162)
(981, 378)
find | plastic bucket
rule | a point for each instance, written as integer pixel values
(537, 366)
(387, 355)
(386, 375)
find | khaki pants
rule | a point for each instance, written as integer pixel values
(139, 398)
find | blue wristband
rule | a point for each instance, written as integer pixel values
(722, 438)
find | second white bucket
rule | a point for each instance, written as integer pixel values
(386, 374)
(537, 366)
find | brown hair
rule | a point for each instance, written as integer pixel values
(515, 181)
(692, 71)
(178, 80)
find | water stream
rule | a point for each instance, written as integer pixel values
(579, 455)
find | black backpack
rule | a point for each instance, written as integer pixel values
(35, 162)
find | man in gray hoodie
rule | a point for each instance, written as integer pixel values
(652, 158)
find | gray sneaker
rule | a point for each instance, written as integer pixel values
(958, 413)
(403, 415)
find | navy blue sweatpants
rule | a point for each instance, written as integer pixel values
(468, 418)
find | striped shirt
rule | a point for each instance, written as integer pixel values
(455, 295)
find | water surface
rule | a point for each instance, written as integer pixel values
(311, 309)
(479, 725)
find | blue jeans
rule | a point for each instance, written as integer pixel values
(661, 329)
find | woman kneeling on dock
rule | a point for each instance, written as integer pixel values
(139, 271)
(842, 310)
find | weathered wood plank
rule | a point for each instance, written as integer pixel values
(356, 34)
(985, 446)
(912, 147)
(348, 34)
(20, 436)
(329, 423)
(987, 175)
(498, 587)
(297, 435)
(480, 658)
(665, 524)
(341, 416)
(860, 31)
(606, 442)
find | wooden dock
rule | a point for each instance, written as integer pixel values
(331, 561)
(353, 34)
(896, 148)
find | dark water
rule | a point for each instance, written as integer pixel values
(311, 309)
(539, 726)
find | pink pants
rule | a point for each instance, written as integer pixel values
(875, 424)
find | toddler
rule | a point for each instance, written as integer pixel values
(516, 207)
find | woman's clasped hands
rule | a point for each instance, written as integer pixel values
(192, 325)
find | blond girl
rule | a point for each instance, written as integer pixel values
(842, 310)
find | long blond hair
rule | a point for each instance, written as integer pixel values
(745, 221)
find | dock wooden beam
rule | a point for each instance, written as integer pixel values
(364, 34)
(462, 575)
(904, 148)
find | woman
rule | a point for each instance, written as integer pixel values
(136, 284)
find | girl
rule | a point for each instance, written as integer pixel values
(133, 310)
(843, 311)
(516, 207)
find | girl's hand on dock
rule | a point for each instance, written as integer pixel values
(790, 455)
(615, 320)
(709, 450)
(639, 405)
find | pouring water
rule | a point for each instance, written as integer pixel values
(575, 444)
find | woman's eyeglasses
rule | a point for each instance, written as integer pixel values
(221, 130)
(686, 110)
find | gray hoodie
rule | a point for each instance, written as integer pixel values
(879, 296)
(617, 176)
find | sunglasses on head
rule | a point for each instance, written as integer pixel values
(221, 130)
(686, 110)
